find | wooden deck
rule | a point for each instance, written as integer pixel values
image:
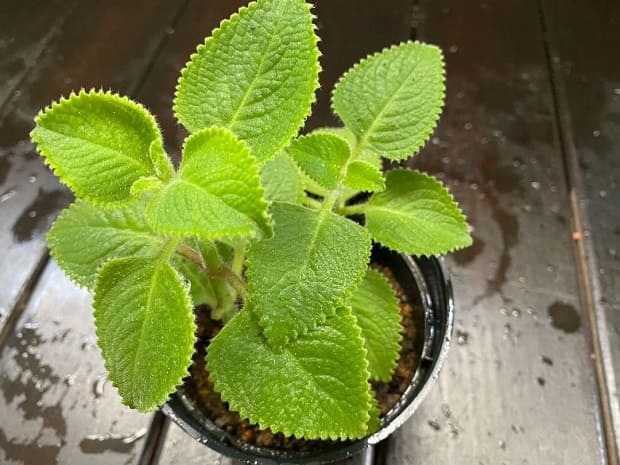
(529, 143)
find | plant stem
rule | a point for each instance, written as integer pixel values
(352, 209)
(223, 272)
(238, 257)
(314, 203)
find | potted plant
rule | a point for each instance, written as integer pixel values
(267, 233)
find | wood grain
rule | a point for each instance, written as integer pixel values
(586, 78)
(100, 45)
(519, 385)
(55, 403)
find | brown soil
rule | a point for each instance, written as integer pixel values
(200, 390)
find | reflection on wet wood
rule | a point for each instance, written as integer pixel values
(518, 386)
(586, 75)
(99, 45)
(55, 403)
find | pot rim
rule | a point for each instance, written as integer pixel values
(434, 288)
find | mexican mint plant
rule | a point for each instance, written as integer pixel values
(254, 222)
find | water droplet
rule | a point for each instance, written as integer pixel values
(435, 141)
(468, 126)
(550, 268)
(522, 279)
(7, 195)
(453, 48)
(596, 133)
(502, 444)
(602, 194)
(98, 386)
(516, 313)
(535, 185)
(503, 311)
(31, 325)
(32, 214)
(462, 337)
(473, 186)
(32, 179)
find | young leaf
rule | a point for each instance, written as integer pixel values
(392, 100)
(321, 156)
(200, 285)
(216, 193)
(256, 76)
(301, 275)
(345, 133)
(315, 387)
(99, 144)
(376, 309)
(362, 176)
(145, 328)
(416, 215)
(84, 237)
(281, 180)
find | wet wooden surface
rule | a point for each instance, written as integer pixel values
(528, 143)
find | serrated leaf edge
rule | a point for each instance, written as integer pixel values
(433, 125)
(188, 301)
(285, 429)
(330, 312)
(316, 67)
(390, 245)
(255, 168)
(58, 170)
(394, 355)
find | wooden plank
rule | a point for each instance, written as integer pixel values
(343, 43)
(100, 45)
(518, 386)
(55, 403)
(586, 76)
(24, 36)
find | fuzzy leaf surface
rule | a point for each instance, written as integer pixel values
(316, 387)
(141, 307)
(84, 237)
(216, 193)
(321, 156)
(303, 273)
(256, 75)
(416, 215)
(392, 100)
(363, 176)
(281, 180)
(376, 309)
(99, 144)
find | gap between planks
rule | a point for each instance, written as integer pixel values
(585, 257)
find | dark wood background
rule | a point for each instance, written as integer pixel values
(529, 143)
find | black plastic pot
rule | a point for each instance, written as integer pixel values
(423, 279)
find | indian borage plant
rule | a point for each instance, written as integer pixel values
(257, 214)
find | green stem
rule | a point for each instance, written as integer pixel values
(239, 257)
(352, 209)
(223, 272)
(314, 203)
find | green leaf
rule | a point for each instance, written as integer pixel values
(376, 309)
(200, 285)
(345, 133)
(300, 276)
(392, 100)
(416, 215)
(362, 176)
(256, 75)
(316, 387)
(99, 144)
(321, 156)
(145, 328)
(84, 237)
(281, 180)
(374, 424)
(216, 192)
